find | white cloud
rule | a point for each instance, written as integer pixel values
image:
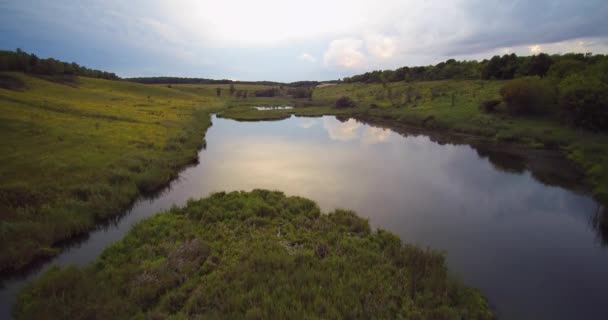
(305, 56)
(241, 38)
(535, 49)
(381, 46)
(345, 53)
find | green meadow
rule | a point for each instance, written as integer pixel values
(75, 153)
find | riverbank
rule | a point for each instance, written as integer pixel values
(255, 254)
(79, 153)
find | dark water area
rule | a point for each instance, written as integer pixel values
(273, 108)
(533, 244)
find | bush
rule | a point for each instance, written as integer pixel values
(271, 92)
(584, 102)
(489, 105)
(11, 82)
(528, 96)
(300, 93)
(345, 102)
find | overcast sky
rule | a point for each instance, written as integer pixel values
(285, 40)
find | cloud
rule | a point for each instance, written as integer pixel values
(380, 46)
(345, 53)
(535, 49)
(255, 40)
(307, 57)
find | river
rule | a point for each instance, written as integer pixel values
(532, 247)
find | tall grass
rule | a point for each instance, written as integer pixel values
(257, 255)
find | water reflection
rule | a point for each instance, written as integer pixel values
(600, 224)
(274, 108)
(352, 129)
(306, 123)
(529, 245)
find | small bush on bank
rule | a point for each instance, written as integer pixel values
(489, 106)
(530, 96)
(345, 102)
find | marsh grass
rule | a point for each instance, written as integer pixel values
(255, 255)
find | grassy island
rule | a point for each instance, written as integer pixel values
(255, 255)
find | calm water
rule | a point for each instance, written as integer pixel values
(274, 108)
(530, 247)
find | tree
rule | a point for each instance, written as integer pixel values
(566, 67)
(539, 65)
(492, 68)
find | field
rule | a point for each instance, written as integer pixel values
(255, 255)
(74, 153)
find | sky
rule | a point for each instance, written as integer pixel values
(286, 40)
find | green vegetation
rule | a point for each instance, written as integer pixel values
(507, 67)
(74, 154)
(256, 255)
(29, 63)
(345, 102)
(77, 149)
(529, 96)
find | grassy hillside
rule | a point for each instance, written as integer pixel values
(257, 255)
(73, 152)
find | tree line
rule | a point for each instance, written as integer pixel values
(508, 66)
(186, 80)
(22, 61)
(181, 80)
(573, 87)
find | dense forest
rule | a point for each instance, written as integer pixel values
(178, 80)
(509, 66)
(21, 61)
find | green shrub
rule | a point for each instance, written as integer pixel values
(345, 102)
(489, 105)
(584, 102)
(528, 96)
(564, 68)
